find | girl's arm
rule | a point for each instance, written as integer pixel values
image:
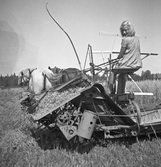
(122, 52)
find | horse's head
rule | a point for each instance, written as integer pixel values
(55, 70)
(24, 76)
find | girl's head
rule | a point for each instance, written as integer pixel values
(127, 29)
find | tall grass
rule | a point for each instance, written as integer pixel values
(147, 86)
(19, 148)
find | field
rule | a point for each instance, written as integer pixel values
(19, 148)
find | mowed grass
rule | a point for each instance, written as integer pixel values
(19, 148)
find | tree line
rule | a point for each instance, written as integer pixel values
(9, 81)
(12, 80)
(146, 75)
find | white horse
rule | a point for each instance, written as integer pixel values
(24, 76)
(41, 80)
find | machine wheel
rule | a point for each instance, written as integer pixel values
(64, 117)
(136, 113)
(82, 145)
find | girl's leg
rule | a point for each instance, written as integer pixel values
(121, 83)
(112, 85)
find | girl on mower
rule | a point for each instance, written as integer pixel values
(129, 55)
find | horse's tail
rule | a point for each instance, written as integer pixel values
(52, 76)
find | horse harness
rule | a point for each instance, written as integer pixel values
(67, 73)
(59, 77)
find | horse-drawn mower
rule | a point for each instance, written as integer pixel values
(86, 110)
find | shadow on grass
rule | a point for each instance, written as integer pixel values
(48, 140)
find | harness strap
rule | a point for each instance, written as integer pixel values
(29, 72)
(44, 87)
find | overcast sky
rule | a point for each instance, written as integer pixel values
(30, 38)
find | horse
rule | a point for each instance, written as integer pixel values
(65, 75)
(24, 76)
(55, 70)
(42, 79)
(45, 79)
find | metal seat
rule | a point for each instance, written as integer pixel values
(124, 70)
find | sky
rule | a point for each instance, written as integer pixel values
(29, 38)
